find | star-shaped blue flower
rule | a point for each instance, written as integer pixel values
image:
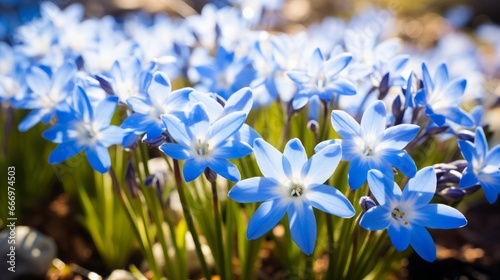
(202, 143)
(484, 166)
(292, 184)
(372, 146)
(441, 97)
(87, 129)
(322, 79)
(406, 214)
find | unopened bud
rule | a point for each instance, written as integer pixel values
(210, 175)
(131, 180)
(466, 135)
(452, 193)
(366, 203)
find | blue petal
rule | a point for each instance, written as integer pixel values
(300, 100)
(459, 116)
(303, 226)
(383, 187)
(177, 129)
(345, 125)
(232, 149)
(255, 189)
(467, 149)
(193, 168)
(38, 81)
(374, 119)
(225, 127)
(422, 243)
(63, 75)
(111, 135)
(441, 77)
(491, 186)
(139, 104)
(440, 216)
(325, 143)
(493, 157)
(358, 170)
(399, 235)
(240, 101)
(468, 178)
(376, 218)
(175, 151)
(105, 110)
(397, 137)
(98, 157)
(454, 90)
(343, 87)
(337, 63)
(160, 87)
(266, 217)
(64, 151)
(31, 119)
(81, 103)
(401, 160)
(296, 155)
(316, 62)
(321, 165)
(428, 85)
(137, 122)
(270, 160)
(298, 77)
(421, 188)
(57, 133)
(199, 122)
(481, 143)
(225, 169)
(330, 200)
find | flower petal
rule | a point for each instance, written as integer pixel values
(374, 120)
(467, 149)
(397, 137)
(337, 63)
(296, 155)
(422, 243)
(399, 235)
(468, 178)
(321, 165)
(376, 218)
(175, 151)
(422, 187)
(225, 127)
(358, 170)
(383, 188)
(231, 149)
(480, 143)
(270, 160)
(64, 151)
(111, 135)
(345, 125)
(193, 168)
(440, 216)
(303, 226)
(98, 157)
(330, 200)
(266, 217)
(401, 160)
(493, 157)
(177, 129)
(225, 169)
(255, 189)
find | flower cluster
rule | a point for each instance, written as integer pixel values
(187, 87)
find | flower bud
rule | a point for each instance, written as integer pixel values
(452, 193)
(131, 180)
(366, 203)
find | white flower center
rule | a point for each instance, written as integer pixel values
(399, 215)
(88, 133)
(202, 148)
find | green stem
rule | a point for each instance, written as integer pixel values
(189, 219)
(218, 230)
(331, 245)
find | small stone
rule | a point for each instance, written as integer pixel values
(32, 255)
(120, 274)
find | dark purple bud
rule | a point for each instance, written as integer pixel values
(105, 83)
(131, 180)
(452, 193)
(157, 180)
(461, 164)
(397, 111)
(466, 135)
(384, 87)
(471, 190)
(313, 125)
(210, 175)
(437, 130)
(366, 203)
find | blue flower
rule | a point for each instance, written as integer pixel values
(292, 184)
(321, 78)
(203, 143)
(48, 95)
(371, 145)
(226, 74)
(148, 109)
(406, 214)
(85, 129)
(484, 166)
(441, 97)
